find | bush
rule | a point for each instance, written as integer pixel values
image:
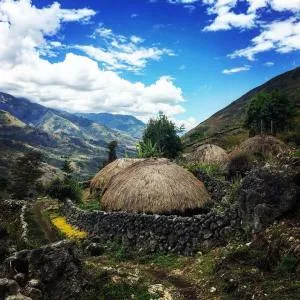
(212, 170)
(239, 165)
(66, 188)
(287, 265)
(3, 183)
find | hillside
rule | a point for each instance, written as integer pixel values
(230, 119)
(125, 123)
(25, 125)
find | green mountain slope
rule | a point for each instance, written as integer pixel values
(230, 119)
(58, 134)
(124, 123)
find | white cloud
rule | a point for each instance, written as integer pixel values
(226, 18)
(76, 83)
(283, 36)
(281, 5)
(236, 70)
(269, 64)
(188, 124)
(121, 52)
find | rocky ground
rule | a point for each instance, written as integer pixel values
(44, 257)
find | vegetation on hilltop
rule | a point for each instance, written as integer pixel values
(225, 128)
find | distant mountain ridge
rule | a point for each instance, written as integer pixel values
(230, 118)
(57, 134)
(126, 123)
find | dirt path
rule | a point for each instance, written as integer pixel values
(49, 232)
(187, 290)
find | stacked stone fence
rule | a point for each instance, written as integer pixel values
(155, 233)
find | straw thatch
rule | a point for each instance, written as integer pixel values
(261, 146)
(208, 154)
(102, 178)
(154, 186)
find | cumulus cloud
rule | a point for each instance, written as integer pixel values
(283, 36)
(236, 70)
(75, 83)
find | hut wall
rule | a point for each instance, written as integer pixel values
(153, 233)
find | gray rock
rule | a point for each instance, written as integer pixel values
(266, 194)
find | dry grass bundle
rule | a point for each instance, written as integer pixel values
(102, 178)
(154, 186)
(208, 154)
(261, 146)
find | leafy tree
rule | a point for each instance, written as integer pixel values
(164, 134)
(65, 188)
(25, 173)
(269, 113)
(147, 149)
(112, 153)
(67, 168)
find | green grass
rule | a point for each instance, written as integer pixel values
(90, 205)
(36, 236)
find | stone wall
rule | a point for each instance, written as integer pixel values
(182, 235)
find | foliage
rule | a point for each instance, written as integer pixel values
(163, 133)
(67, 168)
(239, 165)
(147, 149)
(273, 110)
(90, 205)
(71, 232)
(112, 154)
(25, 173)
(65, 188)
(213, 170)
(3, 183)
(288, 264)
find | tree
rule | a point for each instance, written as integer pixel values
(268, 113)
(67, 168)
(25, 173)
(112, 154)
(164, 134)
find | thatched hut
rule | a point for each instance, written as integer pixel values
(261, 146)
(208, 154)
(155, 186)
(104, 175)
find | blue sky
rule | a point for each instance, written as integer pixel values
(188, 58)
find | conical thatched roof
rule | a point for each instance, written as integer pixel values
(154, 186)
(102, 177)
(261, 145)
(208, 154)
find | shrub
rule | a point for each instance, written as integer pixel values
(147, 149)
(288, 264)
(3, 183)
(239, 165)
(66, 188)
(212, 170)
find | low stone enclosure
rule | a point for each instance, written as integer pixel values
(155, 233)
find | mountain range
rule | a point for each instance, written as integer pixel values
(60, 135)
(225, 127)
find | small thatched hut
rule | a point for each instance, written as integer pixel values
(102, 177)
(155, 186)
(261, 146)
(208, 154)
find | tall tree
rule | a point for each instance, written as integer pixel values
(25, 173)
(67, 168)
(268, 113)
(112, 151)
(163, 133)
